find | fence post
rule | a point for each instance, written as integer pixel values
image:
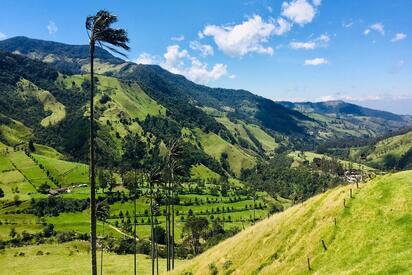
(324, 245)
(309, 268)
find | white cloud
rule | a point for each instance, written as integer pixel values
(316, 61)
(52, 27)
(2, 36)
(282, 26)
(321, 41)
(269, 8)
(246, 37)
(232, 76)
(399, 37)
(147, 59)
(204, 49)
(350, 98)
(299, 11)
(377, 27)
(347, 24)
(178, 38)
(303, 45)
(179, 61)
(324, 38)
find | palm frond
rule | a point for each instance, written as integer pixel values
(115, 37)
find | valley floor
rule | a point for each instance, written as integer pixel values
(69, 258)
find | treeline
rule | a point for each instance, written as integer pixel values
(278, 178)
(53, 206)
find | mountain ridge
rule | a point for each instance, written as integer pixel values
(129, 94)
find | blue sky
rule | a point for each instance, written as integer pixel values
(358, 51)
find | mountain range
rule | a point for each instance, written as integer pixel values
(226, 130)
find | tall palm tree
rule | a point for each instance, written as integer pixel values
(172, 167)
(99, 30)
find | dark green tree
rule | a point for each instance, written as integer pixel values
(194, 229)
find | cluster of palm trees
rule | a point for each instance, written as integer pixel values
(157, 174)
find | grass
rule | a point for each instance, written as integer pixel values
(67, 173)
(237, 129)
(47, 151)
(20, 222)
(29, 169)
(214, 146)
(202, 172)
(371, 236)
(14, 133)
(70, 258)
(79, 222)
(396, 146)
(49, 102)
(268, 142)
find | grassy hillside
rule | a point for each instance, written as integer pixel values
(13, 132)
(214, 146)
(396, 146)
(339, 119)
(69, 258)
(371, 235)
(56, 110)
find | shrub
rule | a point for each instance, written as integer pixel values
(213, 269)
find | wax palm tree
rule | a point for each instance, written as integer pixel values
(100, 32)
(172, 168)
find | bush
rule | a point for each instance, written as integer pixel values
(227, 264)
(65, 236)
(213, 269)
(275, 207)
(44, 188)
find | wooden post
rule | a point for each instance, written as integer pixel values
(324, 245)
(334, 220)
(344, 203)
(309, 268)
(350, 191)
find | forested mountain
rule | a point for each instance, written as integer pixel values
(350, 120)
(226, 130)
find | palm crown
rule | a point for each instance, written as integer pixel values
(99, 31)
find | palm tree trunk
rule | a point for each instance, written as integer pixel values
(157, 259)
(151, 227)
(173, 232)
(101, 253)
(168, 225)
(134, 236)
(92, 168)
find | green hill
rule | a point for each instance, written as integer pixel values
(369, 235)
(339, 119)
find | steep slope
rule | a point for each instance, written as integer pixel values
(378, 218)
(63, 57)
(393, 152)
(170, 90)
